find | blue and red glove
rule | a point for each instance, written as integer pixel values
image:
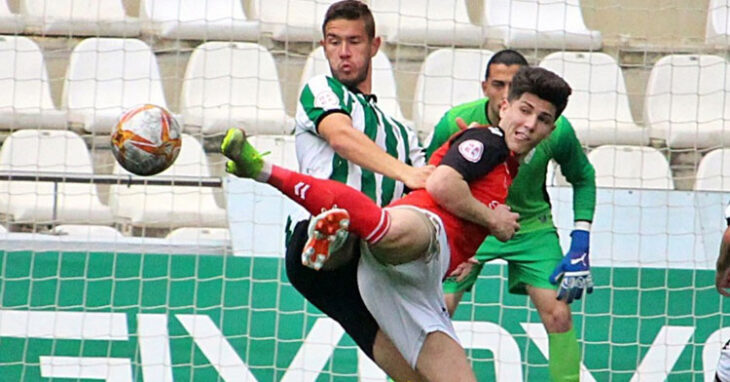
(574, 269)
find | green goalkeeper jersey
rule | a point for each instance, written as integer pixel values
(528, 195)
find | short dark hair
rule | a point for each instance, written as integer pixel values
(542, 83)
(350, 10)
(507, 57)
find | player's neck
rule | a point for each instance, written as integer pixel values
(492, 116)
(365, 87)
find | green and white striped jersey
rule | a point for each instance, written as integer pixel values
(323, 95)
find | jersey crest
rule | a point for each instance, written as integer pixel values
(471, 150)
(326, 100)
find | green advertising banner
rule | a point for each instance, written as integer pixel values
(163, 317)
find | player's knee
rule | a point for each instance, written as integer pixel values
(563, 321)
(406, 228)
(558, 320)
(407, 239)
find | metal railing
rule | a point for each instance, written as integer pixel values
(125, 180)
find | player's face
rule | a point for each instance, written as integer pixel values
(496, 86)
(349, 50)
(526, 121)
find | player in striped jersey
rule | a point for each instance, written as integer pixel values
(342, 135)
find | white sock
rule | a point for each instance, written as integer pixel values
(265, 173)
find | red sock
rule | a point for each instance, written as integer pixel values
(367, 219)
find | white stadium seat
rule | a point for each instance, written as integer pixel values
(233, 84)
(86, 232)
(25, 101)
(383, 84)
(543, 24)
(448, 77)
(10, 22)
(170, 206)
(718, 23)
(281, 148)
(687, 101)
(713, 173)
(56, 151)
(599, 105)
(421, 22)
(197, 20)
(631, 167)
(292, 20)
(197, 234)
(78, 17)
(105, 76)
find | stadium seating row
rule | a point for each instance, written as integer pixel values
(624, 166)
(236, 83)
(598, 108)
(95, 232)
(554, 24)
(107, 233)
(64, 152)
(517, 23)
(231, 82)
(41, 202)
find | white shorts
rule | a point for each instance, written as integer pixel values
(407, 300)
(723, 364)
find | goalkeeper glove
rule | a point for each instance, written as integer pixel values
(574, 269)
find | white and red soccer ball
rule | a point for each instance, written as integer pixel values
(146, 140)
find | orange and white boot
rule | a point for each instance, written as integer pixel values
(327, 233)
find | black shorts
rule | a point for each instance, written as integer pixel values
(334, 292)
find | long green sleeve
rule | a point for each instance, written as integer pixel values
(578, 171)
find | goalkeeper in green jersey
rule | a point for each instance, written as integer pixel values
(535, 259)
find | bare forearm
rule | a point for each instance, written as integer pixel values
(358, 149)
(723, 259)
(722, 277)
(452, 193)
(468, 208)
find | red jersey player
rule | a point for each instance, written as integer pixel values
(408, 247)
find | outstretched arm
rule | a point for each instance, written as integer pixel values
(356, 147)
(722, 276)
(449, 189)
(577, 169)
(574, 269)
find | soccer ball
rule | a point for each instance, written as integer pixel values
(146, 140)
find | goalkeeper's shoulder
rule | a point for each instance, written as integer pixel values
(564, 130)
(563, 145)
